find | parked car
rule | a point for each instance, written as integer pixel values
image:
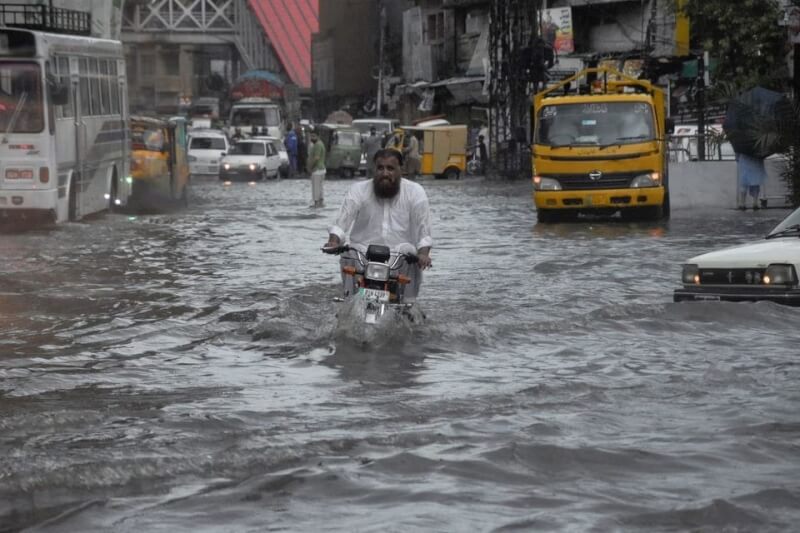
(206, 149)
(684, 140)
(763, 270)
(283, 170)
(249, 160)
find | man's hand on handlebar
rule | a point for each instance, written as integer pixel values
(333, 246)
(423, 258)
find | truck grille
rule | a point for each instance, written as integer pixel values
(572, 182)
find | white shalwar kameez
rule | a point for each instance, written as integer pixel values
(392, 222)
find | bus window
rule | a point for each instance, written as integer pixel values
(94, 85)
(21, 104)
(114, 87)
(104, 97)
(62, 74)
(86, 106)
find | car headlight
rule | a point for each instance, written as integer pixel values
(192, 159)
(546, 184)
(652, 179)
(780, 275)
(377, 272)
(252, 166)
(226, 166)
(690, 275)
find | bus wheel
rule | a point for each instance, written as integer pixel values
(113, 194)
(72, 211)
(452, 173)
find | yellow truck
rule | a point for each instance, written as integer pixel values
(600, 149)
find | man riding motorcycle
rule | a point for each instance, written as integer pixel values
(386, 210)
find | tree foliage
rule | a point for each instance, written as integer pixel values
(745, 38)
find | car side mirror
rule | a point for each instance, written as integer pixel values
(223, 153)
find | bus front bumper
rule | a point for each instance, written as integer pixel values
(599, 198)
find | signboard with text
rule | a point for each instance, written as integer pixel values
(556, 29)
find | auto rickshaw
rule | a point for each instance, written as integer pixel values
(442, 149)
(159, 166)
(343, 146)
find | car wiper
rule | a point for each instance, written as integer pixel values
(634, 138)
(794, 228)
(17, 110)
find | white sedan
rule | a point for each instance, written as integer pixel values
(250, 160)
(763, 270)
(206, 149)
(281, 148)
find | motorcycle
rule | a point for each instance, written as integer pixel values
(375, 286)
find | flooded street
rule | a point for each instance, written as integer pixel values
(184, 371)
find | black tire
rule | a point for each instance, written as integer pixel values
(72, 209)
(548, 216)
(666, 210)
(113, 193)
(452, 173)
(264, 175)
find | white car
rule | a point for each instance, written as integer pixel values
(763, 270)
(250, 160)
(206, 149)
(281, 148)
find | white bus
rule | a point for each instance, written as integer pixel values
(64, 142)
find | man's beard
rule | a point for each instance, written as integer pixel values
(385, 188)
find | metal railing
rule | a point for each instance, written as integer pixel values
(683, 148)
(45, 18)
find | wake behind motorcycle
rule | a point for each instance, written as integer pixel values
(375, 285)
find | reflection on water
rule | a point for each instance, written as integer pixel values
(189, 370)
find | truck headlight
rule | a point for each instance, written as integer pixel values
(690, 275)
(226, 166)
(377, 272)
(253, 167)
(541, 183)
(780, 275)
(652, 179)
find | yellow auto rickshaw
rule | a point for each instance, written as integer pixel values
(159, 166)
(442, 149)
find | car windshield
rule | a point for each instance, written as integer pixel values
(21, 107)
(363, 127)
(248, 148)
(790, 222)
(255, 116)
(207, 143)
(606, 123)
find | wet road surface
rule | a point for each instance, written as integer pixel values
(185, 371)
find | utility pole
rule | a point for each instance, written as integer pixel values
(382, 17)
(701, 107)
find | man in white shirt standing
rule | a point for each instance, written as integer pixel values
(388, 210)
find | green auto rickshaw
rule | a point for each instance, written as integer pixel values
(343, 146)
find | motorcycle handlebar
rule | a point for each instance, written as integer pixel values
(338, 250)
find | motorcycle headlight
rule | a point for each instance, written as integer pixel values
(691, 275)
(541, 183)
(252, 166)
(652, 179)
(377, 272)
(780, 275)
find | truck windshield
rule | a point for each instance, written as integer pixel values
(595, 123)
(21, 106)
(255, 116)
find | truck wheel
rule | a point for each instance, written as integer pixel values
(452, 173)
(112, 193)
(547, 216)
(665, 207)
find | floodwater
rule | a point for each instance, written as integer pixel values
(185, 372)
